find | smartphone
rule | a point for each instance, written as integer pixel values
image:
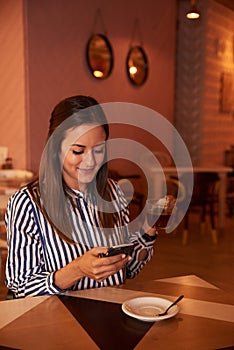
(126, 249)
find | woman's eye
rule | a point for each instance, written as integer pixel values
(77, 153)
(99, 151)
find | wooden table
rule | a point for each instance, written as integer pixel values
(93, 319)
(221, 171)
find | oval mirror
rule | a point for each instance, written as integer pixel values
(137, 65)
(99, 56)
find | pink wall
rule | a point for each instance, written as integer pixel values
(12, 81)
(57, 32)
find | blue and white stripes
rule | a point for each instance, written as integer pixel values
(36, 251)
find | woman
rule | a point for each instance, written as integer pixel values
(59, 225)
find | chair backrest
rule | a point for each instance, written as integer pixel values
(127, 188)
(175, 188)
(205, 188)
(163, 158)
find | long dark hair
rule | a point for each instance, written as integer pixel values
(69, 113)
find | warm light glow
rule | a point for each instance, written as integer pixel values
(192, 15)
(98, 73)
(132, 70)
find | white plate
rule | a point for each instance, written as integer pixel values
(8, 174)
(146, 308)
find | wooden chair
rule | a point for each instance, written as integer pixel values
(177, 189)
(230, 194)
(204, 199)
(3, 257)
(164, 158)
(133, 196)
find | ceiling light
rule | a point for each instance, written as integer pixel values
(193, 13)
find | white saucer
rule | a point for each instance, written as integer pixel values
(146, 308)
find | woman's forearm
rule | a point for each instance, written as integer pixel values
(68, 275)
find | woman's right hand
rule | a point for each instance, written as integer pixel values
(90, 265)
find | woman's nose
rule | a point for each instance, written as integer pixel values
(89, 159)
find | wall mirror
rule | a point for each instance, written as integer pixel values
(99, 56)
(137, 65)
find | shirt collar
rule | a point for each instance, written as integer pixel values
(72, 192)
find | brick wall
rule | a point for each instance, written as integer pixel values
(204, 53)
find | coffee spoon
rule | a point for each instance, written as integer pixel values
(174, 303)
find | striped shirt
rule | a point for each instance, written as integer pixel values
(36, 251)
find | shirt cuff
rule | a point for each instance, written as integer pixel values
(147, 237)
(51, 286)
